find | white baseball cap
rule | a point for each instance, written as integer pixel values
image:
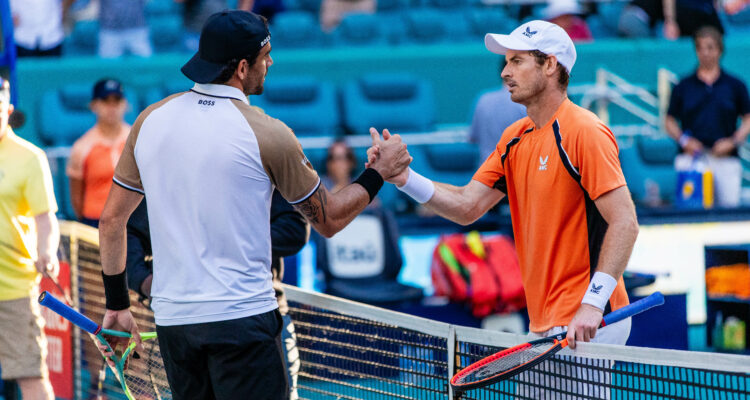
(536, 35)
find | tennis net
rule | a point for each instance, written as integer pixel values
(350, 350)
(353, 351)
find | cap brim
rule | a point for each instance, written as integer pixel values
(201, 71)
(500, 44)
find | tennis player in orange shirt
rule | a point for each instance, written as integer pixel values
(573, 219)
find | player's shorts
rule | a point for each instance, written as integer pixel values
(234, 359)
(23, 346)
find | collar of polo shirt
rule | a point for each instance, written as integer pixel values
(222, 91)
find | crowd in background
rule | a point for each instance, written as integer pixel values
(41, 25)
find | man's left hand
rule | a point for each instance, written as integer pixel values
(584, 325)
(723, 147)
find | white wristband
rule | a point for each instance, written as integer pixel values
(600, 289)
(418, 187)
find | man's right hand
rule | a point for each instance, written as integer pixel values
(693, 146)
(391, 158)
(121, 320)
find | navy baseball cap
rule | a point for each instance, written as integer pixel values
(107, 87)
(227, 35)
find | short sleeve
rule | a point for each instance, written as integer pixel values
(127, 174)
(38, 190)
(286, 165)
(675, 102)
(492, 173)
(598, 161)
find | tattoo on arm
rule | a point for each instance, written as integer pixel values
(314, 207)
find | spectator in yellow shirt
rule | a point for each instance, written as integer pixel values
(29, 237)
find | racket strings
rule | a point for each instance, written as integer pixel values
(145, 377)
(508, 362)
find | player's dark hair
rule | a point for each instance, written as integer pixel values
(228, 71)
(563, 78)
(709, 32)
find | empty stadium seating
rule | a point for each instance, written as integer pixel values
(296, 29)
(65, 114)
(307, 106)
(401, 102)
(648, 165)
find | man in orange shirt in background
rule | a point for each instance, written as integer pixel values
(573, 219)
(95, 154)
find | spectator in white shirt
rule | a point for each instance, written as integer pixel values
(38, 26)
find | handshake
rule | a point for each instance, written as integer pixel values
(388, 156)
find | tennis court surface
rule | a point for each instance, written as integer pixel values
(354, 351)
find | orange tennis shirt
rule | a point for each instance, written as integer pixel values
(552, 175)
(93, 160)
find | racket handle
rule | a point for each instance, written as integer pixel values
(67, 312)
(639, 306)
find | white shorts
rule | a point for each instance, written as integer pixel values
(573, 378)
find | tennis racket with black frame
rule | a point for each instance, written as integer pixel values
(137, 381)
(510, 362)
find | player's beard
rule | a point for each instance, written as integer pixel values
(523, 95)
(252, 85)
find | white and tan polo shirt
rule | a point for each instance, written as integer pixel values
(208, 163)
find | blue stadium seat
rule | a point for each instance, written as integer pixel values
(397, 101)
(166, 33)
(599, 28)
(157, 93)
(648, 165)
(361, 29)
(310, 6)
(162, 8)
(296, 29)
(453, 163)
(485, 20)
(386, 6)
(83, 39)
(306, 105)
(431, 25)
(64, 114)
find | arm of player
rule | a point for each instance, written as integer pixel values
(329, 212)
(76, 196)
(617, 209)
(460, 204)
(48, 239)
(112, 249)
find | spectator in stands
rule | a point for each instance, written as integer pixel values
(289, 233)
(681, 18)
(333, 11)
(29, 237)
(122, 28)
(38, 26)
(361, 258)
(566, 14)
(95, 154)
(703, 113)
(488, 125)
(196, 12)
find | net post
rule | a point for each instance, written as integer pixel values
(451, 358)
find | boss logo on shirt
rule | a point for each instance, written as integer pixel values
(206, 102)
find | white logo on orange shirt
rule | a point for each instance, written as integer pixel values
(543, 163)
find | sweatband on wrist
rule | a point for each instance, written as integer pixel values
(684, 138)
(371, 180)
(116, 291)
(600, 289)
(418, 187)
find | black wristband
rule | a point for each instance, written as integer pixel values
(371, 181)
(116, 291)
